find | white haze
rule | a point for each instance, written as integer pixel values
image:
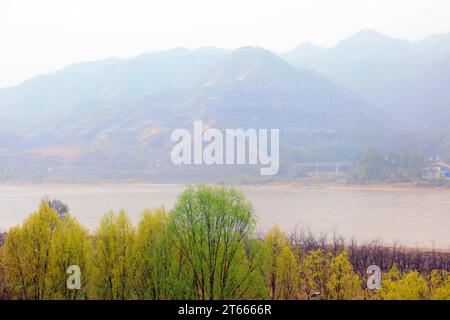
(41, 36)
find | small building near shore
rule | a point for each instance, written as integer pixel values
(437, 170)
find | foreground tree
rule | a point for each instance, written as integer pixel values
(71, 246)
(5, 292)
(26, 254)
(439, 281)
(314, 273)
(282, 269)
(113, 244)
(153, 257)
(37, 254)
(212, 228)
(411, 286)
(343, 283)
(443, 291)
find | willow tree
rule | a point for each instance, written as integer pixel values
(411, 286)
(212, 227)
(26, 255)
(112, 258)
(281, 266)
(440, 284)
(314, 273)
(439, 281)
(343, 283)
(153, 257)
(5, 293)
(71, 246)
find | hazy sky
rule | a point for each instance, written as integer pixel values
(44, 35)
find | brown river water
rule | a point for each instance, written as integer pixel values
(411, 217)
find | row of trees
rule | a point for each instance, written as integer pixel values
(378, 166)
(205, 248)
(375, 252)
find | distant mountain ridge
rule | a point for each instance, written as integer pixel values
(95, 85)
(112, 119)
(378, 68)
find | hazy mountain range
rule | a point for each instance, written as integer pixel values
(398, 76)
(112, 119)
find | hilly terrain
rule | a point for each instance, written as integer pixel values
(112, 119)
(377, 68)
(408, 81)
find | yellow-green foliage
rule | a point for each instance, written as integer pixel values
(37, 254)
(70, 246)
(113, 244)
(282, 271)
(210, 228)
(411, 286)
(314, 273)
(328, 277)
(205, 248)
(343, 283)
(443, 291)
(440, 285)
(152, 256)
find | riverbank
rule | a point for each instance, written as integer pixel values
(350, 186)
(278, 183)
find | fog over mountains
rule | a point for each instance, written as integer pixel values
(112, 119)
(396, 75)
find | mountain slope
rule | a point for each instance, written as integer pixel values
(374, 66)
(426, 102)
(434, 47)
(88, 87)
(247, 88)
